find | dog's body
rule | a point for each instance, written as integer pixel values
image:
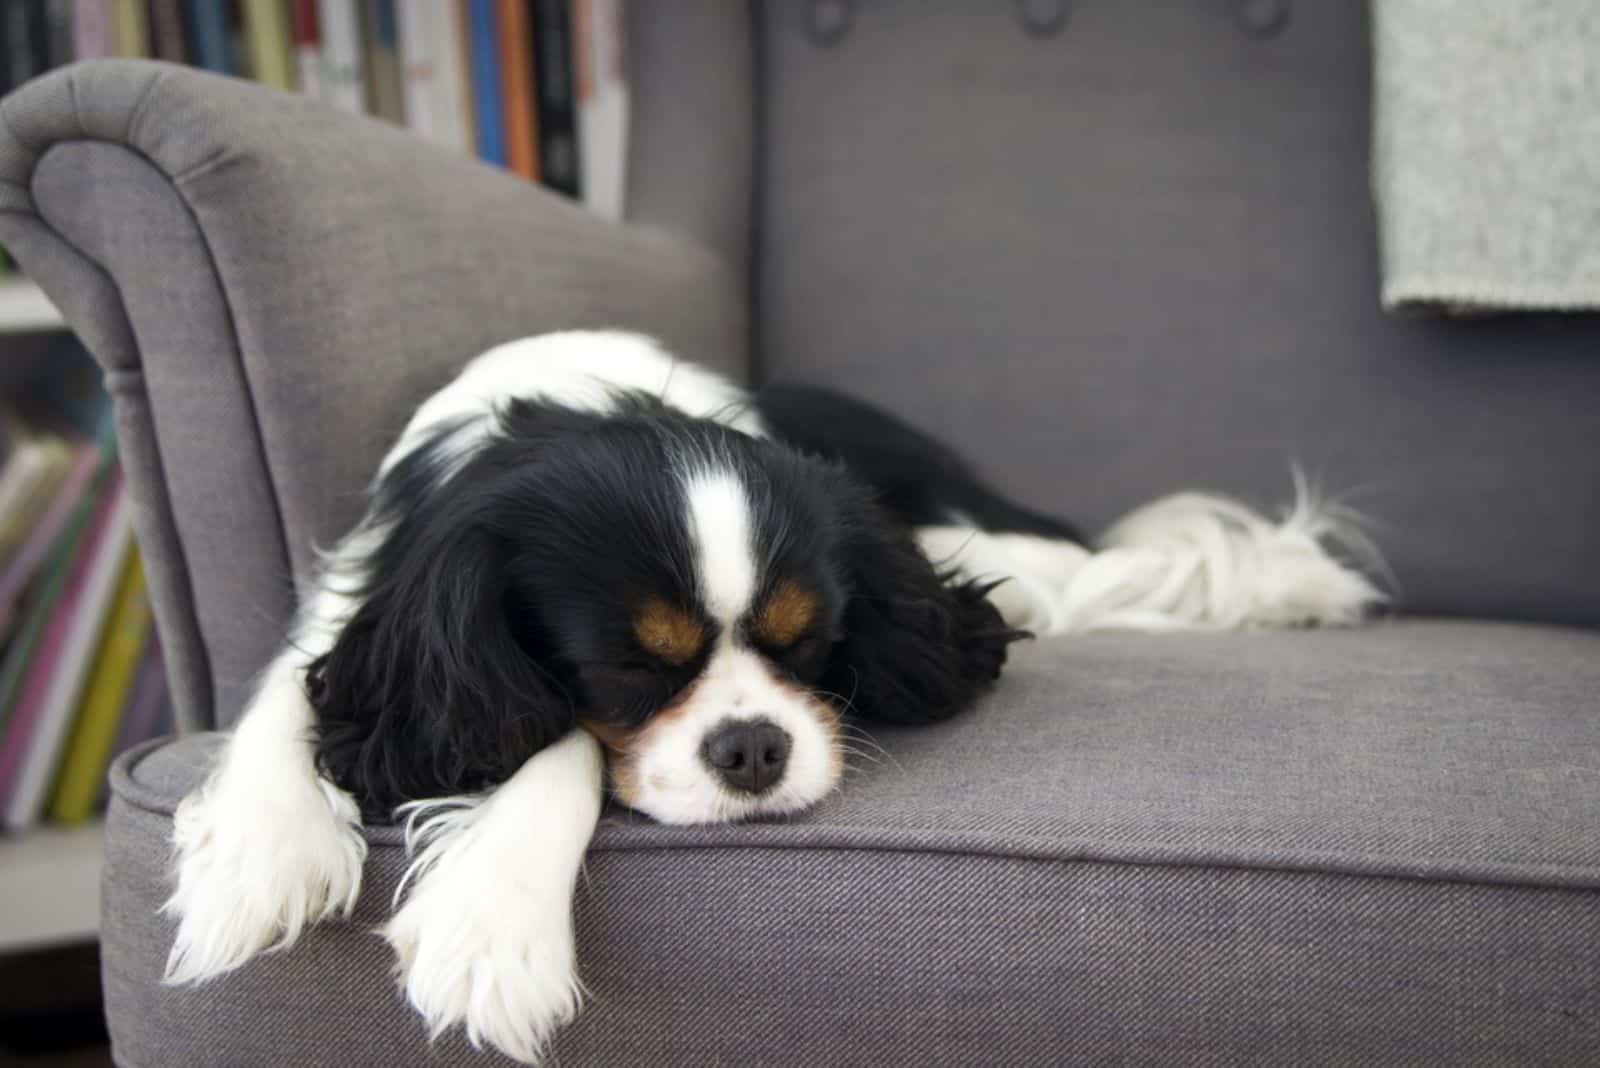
(581, 555)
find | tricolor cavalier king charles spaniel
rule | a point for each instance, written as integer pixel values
(587, 563)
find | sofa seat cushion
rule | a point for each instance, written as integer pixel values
(1379, 842)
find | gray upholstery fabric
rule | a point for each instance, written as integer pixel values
(1139, 256)
(272, 287)
(1276, 848)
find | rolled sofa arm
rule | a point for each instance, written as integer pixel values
(270, 287)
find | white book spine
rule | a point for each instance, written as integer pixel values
(39, 763)
(343, 79)
(431, 57)
(603, 111)
(308, 65)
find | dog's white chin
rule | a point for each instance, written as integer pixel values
(707, 802)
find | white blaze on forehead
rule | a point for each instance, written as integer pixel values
(719, 525)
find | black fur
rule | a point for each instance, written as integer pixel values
(918, 479)
(498, 609)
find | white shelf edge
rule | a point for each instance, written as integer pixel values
(50, 886)
(25, 309)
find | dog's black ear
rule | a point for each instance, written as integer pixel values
(433, 686)
(917, 645)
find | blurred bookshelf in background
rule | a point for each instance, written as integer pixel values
(81, 674)
(534, 86)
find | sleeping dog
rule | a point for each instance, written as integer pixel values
(587, 563)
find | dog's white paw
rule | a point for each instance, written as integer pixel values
(257, 863)
(485, 938)
(481, 948)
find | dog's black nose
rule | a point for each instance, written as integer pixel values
(747, 754)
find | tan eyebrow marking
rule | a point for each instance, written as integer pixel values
(668, 633)
(788, 611)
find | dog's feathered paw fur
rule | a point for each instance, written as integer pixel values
(265, 849)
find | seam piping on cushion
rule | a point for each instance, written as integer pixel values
(1044, 851)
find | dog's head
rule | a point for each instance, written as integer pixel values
(706, 603)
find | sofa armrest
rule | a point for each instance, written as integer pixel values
(271, 287)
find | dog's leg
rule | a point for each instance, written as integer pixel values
(485, 936)
(267, 846)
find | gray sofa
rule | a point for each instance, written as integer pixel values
(1108, 255)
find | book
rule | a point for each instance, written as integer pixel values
(307, 47)
(130, 29)
(271, 49)
(33, 469)
(343, 83)
(602, 105)
(485, 67)
(58, 17)
(558, 129)
(16, 670)
(24, 41)
(168, 40)
(514, 24)
(141, 720)
(208, 26)
(91, 29)
(106, 693)
(86, 462)
(433, 78)
(59, 670)
(382, 59)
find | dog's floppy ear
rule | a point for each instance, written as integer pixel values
(917, 645)
(433, 686)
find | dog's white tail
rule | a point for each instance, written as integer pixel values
(1192, 561)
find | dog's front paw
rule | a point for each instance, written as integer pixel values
(475, 952)
(255, 867)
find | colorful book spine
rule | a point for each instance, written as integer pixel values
(343, 83)
(436, 95)
(142, 719)
(130, 28)
(558, 128)
(91, 29)
(208, 22)
(515, 28)
(167, 38)
(22, 567)
(486, 93)
(105, 695)
(271, 50)
(308, 47)
(382, 38)
(38, 645)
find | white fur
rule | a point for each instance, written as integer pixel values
(579, 369)
(719, 526)
(266, 846)
(1191, 561)
(485, 936)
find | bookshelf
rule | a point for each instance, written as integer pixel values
(50, 883)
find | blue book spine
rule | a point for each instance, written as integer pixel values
(486, 84)
(208, 27)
